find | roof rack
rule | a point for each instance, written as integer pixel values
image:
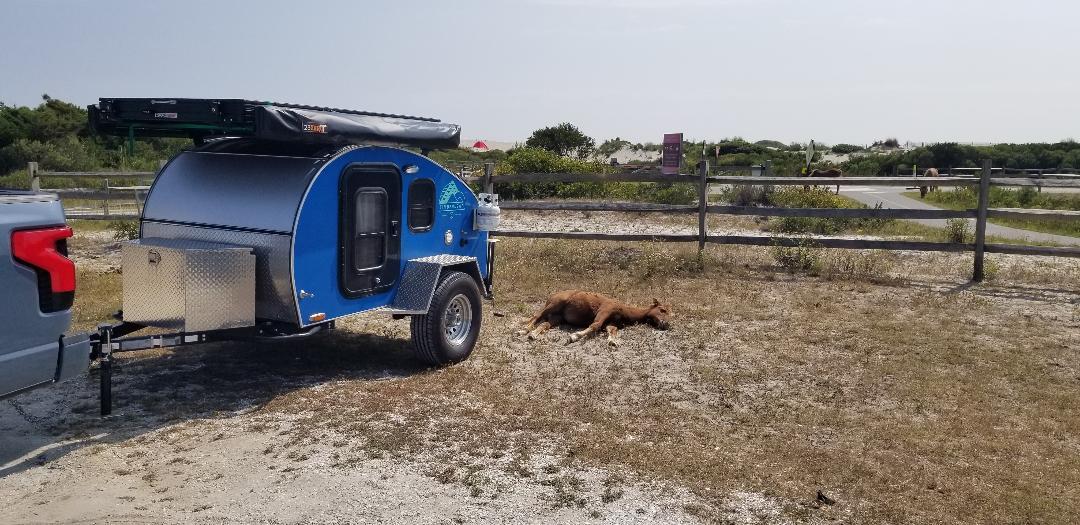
(200, 119)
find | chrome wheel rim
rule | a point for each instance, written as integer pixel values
(457, 320)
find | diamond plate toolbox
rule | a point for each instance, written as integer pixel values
(187, 285)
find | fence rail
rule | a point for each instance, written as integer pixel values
(980, 214)
(99, 174)
(832, 213)
(105, 194)
(488, 180)
(526, 178)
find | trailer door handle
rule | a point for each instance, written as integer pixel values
(395, 228)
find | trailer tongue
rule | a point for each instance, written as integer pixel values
(286, 218)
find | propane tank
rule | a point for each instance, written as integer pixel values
(487, 213)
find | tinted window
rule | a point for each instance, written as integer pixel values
(369, 230)
(421, 204)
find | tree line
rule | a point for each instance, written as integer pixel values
(56, 135)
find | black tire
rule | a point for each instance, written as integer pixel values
(433, 343)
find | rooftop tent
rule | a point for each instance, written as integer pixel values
(269, 121)
(480, 145)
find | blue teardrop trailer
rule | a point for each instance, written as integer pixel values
(285, 218)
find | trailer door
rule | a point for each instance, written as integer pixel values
(370, 247)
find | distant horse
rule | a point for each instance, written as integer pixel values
(932, 172)
(831, 173)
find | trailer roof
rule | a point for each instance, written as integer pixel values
(271, 121)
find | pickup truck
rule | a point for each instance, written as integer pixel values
(38, 282)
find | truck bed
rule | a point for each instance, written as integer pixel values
(14, 196)
(36, 309)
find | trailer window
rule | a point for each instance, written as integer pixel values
(369, 230)
(421, 205)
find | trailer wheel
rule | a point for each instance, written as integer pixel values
(448, 332)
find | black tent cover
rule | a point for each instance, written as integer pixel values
(271, 121)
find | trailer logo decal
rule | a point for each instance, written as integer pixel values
(164, 115)
(312, 127)
(451, 201)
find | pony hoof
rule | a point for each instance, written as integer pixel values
(613, 343)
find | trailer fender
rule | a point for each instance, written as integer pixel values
(417, 285)
(472, 269)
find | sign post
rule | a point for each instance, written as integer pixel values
(809, 158)
(672, 158)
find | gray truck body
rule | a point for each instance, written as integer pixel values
(33, 347)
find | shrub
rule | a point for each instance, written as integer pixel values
(957, 230)
(124, 230)
(533, 160)
(873, 266)
(562, 139)
(802, 258)
(748, 195)
(1026, 196)
(991, 269)
(819, 198)
(845, 149)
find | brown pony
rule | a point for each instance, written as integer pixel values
(594, 311)
(932, 172)
(831, 172)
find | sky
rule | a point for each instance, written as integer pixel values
(835, 71)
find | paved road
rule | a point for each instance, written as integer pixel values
(891, 197)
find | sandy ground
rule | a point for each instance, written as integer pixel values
(196, 437)
(349, 428)
(97, 251)
(637, 223)
(228, 458)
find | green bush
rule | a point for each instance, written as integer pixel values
(802, 258)
(124, 230)
(957, 230)
(1064, 154)
(55, 134)
(845, 149)
(819, 198)
(740, 195)
(1028, 197)
(534, 160)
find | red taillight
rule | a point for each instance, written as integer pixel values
(38, 249)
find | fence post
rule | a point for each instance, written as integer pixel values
(703, 201)
(768, 168)
(489, 170)
(980, 221)
(32, 171)
(105, 203)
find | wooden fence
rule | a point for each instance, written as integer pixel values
(984, 181)
(702, 209)
(105, 194)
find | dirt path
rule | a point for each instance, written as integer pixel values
(233, 433)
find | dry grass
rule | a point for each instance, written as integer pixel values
(97, 297)
(887, 383)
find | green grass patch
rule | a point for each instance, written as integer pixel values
(967, 198)
(820, 198)
(1027, 197)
